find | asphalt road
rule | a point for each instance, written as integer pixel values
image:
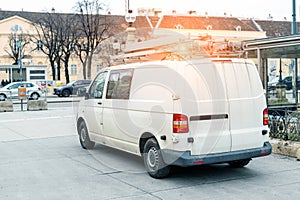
(41, 158)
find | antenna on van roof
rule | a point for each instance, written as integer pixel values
(222, 48)
(180, 48)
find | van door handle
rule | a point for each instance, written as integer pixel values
(100, 103)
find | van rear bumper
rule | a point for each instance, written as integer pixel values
(185, 158)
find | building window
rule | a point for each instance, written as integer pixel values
(16, 28)
(37, 72)
(238, 28)
(179, 26)
(37, 77)
(209, 27)
(73, 69)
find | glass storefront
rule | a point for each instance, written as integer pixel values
(282, 81)
(278, 65)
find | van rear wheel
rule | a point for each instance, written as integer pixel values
(153, 160)
(239, 163)
(84, 138)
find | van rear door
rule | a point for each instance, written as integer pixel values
(203, 99)
(225, 105)
(246, 102)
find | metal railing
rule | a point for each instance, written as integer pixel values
(284, 124)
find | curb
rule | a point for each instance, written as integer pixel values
(286, 148)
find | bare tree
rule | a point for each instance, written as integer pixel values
(93, 29)
(17, 46)
(47, 29)
(68, 38)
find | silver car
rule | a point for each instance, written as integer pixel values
(10, 91)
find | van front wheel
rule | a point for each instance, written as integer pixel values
(239, 163)
(84, 138)
(153, 160)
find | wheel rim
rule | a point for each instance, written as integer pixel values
(152, 157)
(83, 135)
(2, 97)
(34, 96)
(66, 93)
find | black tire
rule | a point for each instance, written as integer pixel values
(239, 163)
(153, 160)
(66, 93)
(84, 138)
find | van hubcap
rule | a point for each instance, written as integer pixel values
(152, 157)
(83, 135)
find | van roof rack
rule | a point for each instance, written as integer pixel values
(180, 48)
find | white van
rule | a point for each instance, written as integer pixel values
(178, 112)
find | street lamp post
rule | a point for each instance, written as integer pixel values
(18, 45)
(130, 19)
(20, 56)
(281, 87)
(17, 36)
(294, 23)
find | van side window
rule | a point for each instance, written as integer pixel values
(97, 86)
(119, 84)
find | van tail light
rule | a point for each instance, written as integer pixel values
(265, 117)
(180, 123)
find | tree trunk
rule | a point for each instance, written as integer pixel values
(53, 70)
(89, 67)
(67, 69)
(84, 69)
(58, 69)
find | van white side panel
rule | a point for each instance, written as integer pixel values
(149, 109)
(246, 105)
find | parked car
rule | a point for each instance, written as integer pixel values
(71, 88)
(45, 84)
(174, 112)
(33, 91)
(286, 80)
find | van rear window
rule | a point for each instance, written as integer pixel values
(119, 84)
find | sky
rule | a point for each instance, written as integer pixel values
(259, 9)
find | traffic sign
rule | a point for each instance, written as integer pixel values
(22, 92)
(19, 43)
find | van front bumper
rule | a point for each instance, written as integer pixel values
(185, 158)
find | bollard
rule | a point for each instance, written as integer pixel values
(6, 106)
(33, 105)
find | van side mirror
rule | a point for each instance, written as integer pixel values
(86, 96)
